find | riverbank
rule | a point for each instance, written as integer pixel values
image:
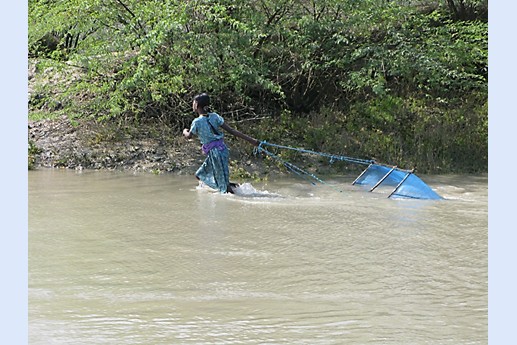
(148, 148)
(62, 143)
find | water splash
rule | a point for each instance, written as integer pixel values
(243, 190)
(202, 187)
(247, 190)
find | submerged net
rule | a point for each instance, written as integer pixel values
(403, 183)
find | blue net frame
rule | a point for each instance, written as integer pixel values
(405, 183)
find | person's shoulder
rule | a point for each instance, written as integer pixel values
(196, 120)
(217, 116)
(195, 123)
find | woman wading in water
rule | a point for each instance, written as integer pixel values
(214, 171)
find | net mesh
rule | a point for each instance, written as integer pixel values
(404, 183)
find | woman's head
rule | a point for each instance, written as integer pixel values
(201, 103)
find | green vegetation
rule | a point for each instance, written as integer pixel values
(32, 151)
(405, 82)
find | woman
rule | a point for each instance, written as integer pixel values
(214, 171)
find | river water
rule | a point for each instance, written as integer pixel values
(118, 258)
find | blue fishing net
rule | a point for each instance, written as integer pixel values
(403, 183)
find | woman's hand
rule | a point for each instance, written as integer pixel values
(187, 133)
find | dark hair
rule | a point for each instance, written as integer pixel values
(203, 101)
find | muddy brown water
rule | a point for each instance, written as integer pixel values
(118, 258)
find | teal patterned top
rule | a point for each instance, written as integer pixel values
(207, 127)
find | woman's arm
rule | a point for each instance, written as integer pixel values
(241, 135)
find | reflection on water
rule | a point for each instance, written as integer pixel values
(116, 258)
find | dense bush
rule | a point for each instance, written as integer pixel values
(399, 80)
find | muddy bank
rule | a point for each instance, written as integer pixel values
(62, 143)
